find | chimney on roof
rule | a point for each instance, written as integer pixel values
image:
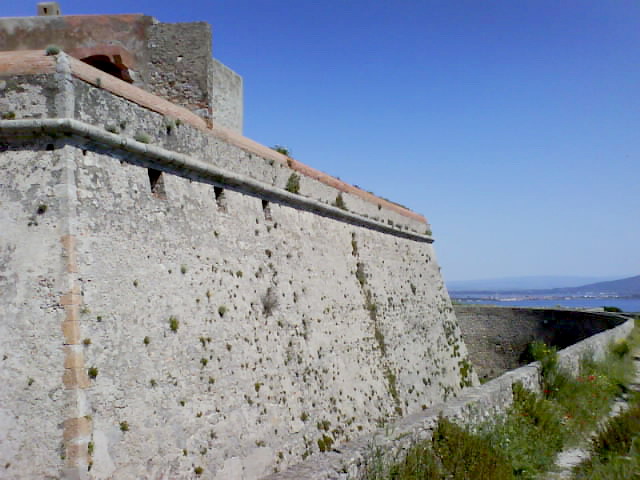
(48, 9)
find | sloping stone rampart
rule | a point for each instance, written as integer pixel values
(198, 315)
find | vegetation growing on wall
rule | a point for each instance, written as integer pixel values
(372, 307)
(282, 149)
(339, 202)
(52, 50)
(293, 183)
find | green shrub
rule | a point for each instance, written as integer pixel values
(612, 309)
(52, 50)
(293, 183)
(174, 323)
(324, 443)
(282, 149)
(553, 378)
(339, 202)
(620, 348)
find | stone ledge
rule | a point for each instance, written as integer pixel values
(190, 168)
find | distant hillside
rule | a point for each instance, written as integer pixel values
(622, 287)
(625, 287)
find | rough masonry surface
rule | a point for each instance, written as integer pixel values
(158, 322)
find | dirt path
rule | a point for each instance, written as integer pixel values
(567, 459)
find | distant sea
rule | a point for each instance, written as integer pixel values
(626, 304)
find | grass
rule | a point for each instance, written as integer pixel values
(615, 451)
(529, 435)
(523, 442)
(465, 455)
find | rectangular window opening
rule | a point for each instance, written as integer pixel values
(221, 201)
(266, 208)
(156, 182)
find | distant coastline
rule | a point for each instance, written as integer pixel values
(622, 293)
(625, 304)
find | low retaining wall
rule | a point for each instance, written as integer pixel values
(474, 405)
(497, 338)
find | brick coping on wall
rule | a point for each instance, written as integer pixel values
(37, 62)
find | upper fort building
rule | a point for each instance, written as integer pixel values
(177, 300)
(171, 60)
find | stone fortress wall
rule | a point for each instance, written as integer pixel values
(169, 308)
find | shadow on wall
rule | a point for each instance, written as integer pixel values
(497, 338)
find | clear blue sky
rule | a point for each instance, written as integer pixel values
(513, 126)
